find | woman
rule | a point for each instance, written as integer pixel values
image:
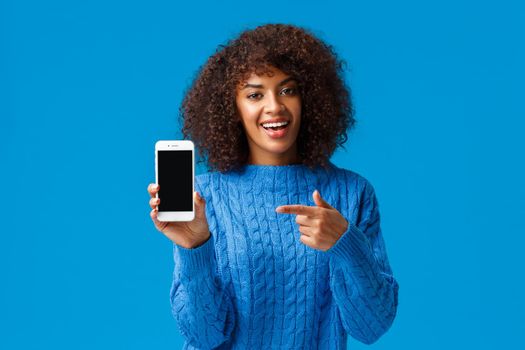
(286, 250)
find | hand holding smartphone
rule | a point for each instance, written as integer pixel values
(177, 211)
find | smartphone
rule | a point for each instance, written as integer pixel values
(174, 173)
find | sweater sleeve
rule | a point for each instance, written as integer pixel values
(199, 302)
(361, 279)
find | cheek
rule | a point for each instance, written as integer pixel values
(298, 107)
(249, 114)
(295, 107)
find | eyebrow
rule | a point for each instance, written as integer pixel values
(258, 86)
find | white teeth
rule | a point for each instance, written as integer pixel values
(273, 125)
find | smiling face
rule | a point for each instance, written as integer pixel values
(269, 107)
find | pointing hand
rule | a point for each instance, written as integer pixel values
(320, 225)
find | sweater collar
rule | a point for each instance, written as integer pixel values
(278, 181)
(260, 171)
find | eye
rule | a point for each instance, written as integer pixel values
(288, 91)
(254, 96)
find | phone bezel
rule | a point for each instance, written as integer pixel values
(174, 146)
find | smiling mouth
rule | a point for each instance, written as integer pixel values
(275, 126)
(276, 130)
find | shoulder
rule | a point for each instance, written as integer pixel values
(203, 182)
(203, 178)
(351, 178)
(209, 183)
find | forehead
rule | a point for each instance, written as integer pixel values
(270, 76)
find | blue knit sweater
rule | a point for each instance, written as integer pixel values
(254, 285)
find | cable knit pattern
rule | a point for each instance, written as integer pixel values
(254, 285)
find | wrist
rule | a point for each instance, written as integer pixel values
(193, 244)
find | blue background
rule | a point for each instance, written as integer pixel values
(87, 88)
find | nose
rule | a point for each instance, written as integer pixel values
(273, 105)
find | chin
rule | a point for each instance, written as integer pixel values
(278, 149)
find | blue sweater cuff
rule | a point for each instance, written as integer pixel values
(353, 244)
(196, 261)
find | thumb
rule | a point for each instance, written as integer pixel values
(200, 203)
(320, 202)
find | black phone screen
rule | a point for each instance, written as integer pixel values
(175, 172)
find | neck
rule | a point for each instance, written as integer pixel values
(273, 161)
(257, 158)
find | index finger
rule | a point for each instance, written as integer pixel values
(153, 189)
(297, 209)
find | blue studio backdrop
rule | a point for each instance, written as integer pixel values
(86, 88)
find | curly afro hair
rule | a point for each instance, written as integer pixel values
(209, 113)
